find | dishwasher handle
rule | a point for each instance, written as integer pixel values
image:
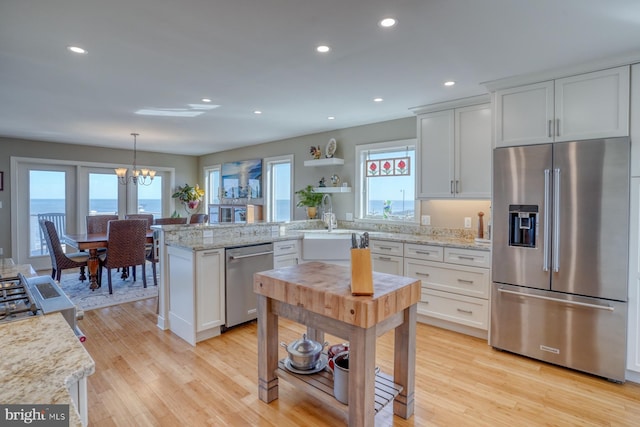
(250, 255)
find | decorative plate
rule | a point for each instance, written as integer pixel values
(320, 365)
(331, 148)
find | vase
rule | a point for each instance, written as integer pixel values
(191, 206)
(311, 212)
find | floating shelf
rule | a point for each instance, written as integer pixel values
(320, 385)
(324, 162)
(332, 189)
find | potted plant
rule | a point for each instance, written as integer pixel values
(309, 199)
(189, 196)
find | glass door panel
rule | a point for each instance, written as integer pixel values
(150, 198)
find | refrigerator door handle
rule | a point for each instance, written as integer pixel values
(546, 235)
(563, 301)
(556, 220)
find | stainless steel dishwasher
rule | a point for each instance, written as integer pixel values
(242, 263)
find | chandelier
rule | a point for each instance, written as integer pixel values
(138, 176)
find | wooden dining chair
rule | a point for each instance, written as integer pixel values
(59, 260)
(126, 247)
(198, 219)
(148, 217)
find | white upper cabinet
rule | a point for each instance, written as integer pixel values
(585, 106)
(454, 153)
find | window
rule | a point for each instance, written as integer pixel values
(278, 194)
(150, 197)
(386, 196)
(212, 186)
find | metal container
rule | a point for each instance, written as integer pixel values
(305, 353)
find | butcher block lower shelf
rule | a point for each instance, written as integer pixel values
(320, 385)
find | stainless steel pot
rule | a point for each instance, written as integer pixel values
(304, 353)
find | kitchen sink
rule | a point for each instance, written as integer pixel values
(322, 245)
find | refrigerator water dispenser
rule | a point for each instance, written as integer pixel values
(523, 223)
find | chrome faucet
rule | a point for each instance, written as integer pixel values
(330, 218)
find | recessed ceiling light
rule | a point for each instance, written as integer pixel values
(449, 83)
(205, 100)
(323, 49)
(378, 99)
(388, 22)
(257, 112)
(331, 118)
(76, 49)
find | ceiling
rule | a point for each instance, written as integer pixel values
(248, 55)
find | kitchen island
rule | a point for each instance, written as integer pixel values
(44, 363)
(318, 295)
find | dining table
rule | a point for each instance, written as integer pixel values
(92, 242)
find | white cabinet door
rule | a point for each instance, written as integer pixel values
(435, 169)
(586, 106)
(210, 289)
(389, 264)
(592, 105)
(633, 325)
(635, 120)
(285, 253)
(473, 151)
(524, 114)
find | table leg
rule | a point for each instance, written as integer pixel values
(404, 363)
(362, 363)
(92, 266)
(267, 351)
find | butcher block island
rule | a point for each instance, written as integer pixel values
(318, 295)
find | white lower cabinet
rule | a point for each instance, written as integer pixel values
(387, 257)
(196, 293)
(286, 253)
(455, 286)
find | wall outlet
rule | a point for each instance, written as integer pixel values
(425, 220)
(348, 216)
(467, 222)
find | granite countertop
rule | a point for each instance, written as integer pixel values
(9, 270)
(41, 357)
(204, 244)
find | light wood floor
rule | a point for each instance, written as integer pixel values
(145, 376)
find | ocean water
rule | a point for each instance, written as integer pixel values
(99, 206)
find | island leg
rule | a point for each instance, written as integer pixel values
(362, 364)
(404, 363)
(267, 351)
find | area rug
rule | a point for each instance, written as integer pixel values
(123, 290)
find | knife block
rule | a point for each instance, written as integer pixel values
(361, 272)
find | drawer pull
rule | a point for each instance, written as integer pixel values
(465, 281)
(465, 311)
(469, 258)
(422, 274)
(384, 258)
(285, 247)
(386, 248)
(423, 253)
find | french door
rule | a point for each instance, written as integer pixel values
(43, 191)
(42, 188)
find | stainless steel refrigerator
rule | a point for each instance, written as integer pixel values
(560, 217)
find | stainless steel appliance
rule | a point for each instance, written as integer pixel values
(560, 253)
(241, 263)
(21, 297)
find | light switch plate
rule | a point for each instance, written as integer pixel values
(425, 220)
(349, 216)
(467, 222)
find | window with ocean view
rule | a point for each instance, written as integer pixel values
(385, 195)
